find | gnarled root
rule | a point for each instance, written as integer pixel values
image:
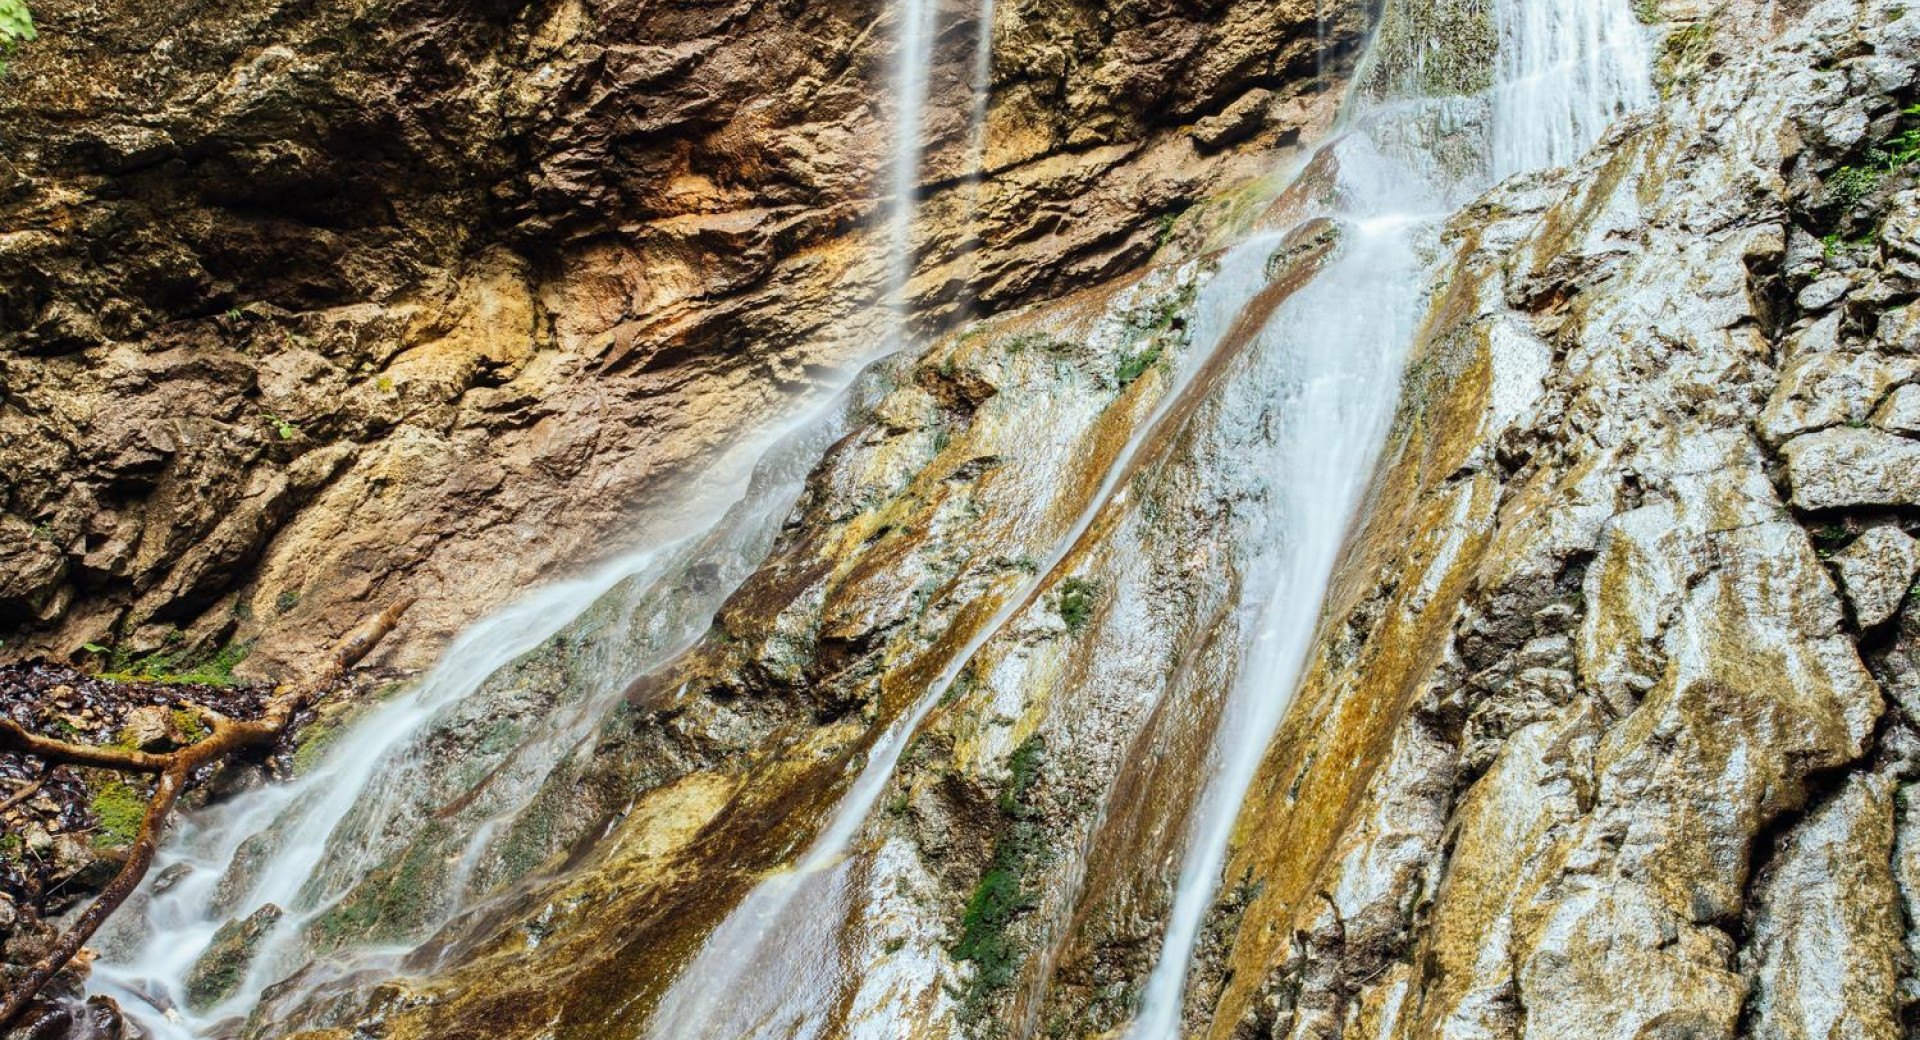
(175, 770)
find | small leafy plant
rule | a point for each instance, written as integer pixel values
(16, 27)
(1077, 597)
(285, 429)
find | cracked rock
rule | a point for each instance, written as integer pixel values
(1842, 468)
(1876, 571)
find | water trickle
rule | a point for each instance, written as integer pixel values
(770, 969)
(1332, 355)
(305, 845)
(913, 66)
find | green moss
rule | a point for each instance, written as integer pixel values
(119, 807)
(189, 724)
(1023, 769)
(216, 670)
(315, 739)
(1077, 598)
(1683, 54)
(175, 666)
(1001, 897)
(393, 901)
(1134, 366)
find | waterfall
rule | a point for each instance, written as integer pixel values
(213, 863)
(766, 971)
(913, 65)
(1332, 355)
(303, 846)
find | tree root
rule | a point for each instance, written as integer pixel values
(175, 770)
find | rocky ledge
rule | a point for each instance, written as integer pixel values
(309, 308)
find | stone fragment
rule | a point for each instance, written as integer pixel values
(1900, 412)
(1841, 468)
(1828, 389)
(1823, 959)
(1823, 294)
(1237, 122)
(1876, 571)
(148, 727)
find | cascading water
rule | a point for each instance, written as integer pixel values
(768, 971)
(307, 867)
(1330, 355)
(303, 847)
(913, 63)
(1564, 70)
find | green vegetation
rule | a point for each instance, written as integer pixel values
(1077, 597)
(393, 900)
(1648, 11)
(1850, 185)
(1684, 54)
(119, 808)
(285, 429)
(1829, 539)
(1136, 365)
(182, 666)
(190, 725)
(1001, 896)
(1023, 770)
(1168, 222)
(16, 28)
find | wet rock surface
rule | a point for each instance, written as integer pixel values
(310, 308)
(1610, 729)
(1690, 516)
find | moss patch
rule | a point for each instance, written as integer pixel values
(1077, 599)
(119, 807)
(1001, 897)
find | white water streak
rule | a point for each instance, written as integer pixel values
(308, 866)
(1565, 69)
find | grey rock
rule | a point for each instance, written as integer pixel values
(1824, 959)
(1841, 468)
(1900, 412)
(1876, 571)
(1824, 293)
(1828, 389)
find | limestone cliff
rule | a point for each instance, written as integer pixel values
(308, 307)
(1607, 725)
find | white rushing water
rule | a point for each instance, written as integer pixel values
(1331, 355)
(1565, 69)
(216, 863)
(769, 970)
(305, 845)
(912, 72)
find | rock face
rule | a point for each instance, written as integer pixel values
(1593, 747)
(308, 309)
(1609, 725)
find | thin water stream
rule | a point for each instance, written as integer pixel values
(301, 851)
(1330, 356)
(1564, 70)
